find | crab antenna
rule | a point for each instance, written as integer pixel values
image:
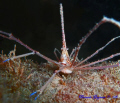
(62, 25)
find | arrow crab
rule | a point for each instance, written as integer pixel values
(67, 63)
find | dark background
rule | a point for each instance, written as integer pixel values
(37, 24)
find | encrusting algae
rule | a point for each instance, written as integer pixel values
(19, 78)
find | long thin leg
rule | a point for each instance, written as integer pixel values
(56, 53)
(19, 56)
(99, 67)
(75, 56)
(104, 20)
(97, 51)
(82, 41)
(46, 84)
(43, 87)
(72, 53)
(92, 63)
(11, 37)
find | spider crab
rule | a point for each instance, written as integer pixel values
(66, 62)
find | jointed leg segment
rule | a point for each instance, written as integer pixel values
(56, 53)
(104, 20)
(11, 37)
(97, 51)
(40, 91)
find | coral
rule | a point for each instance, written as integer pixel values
(19, 78)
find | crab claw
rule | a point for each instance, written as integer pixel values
(33, 93)
(6, 60)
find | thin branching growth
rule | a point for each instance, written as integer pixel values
(67, 63)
